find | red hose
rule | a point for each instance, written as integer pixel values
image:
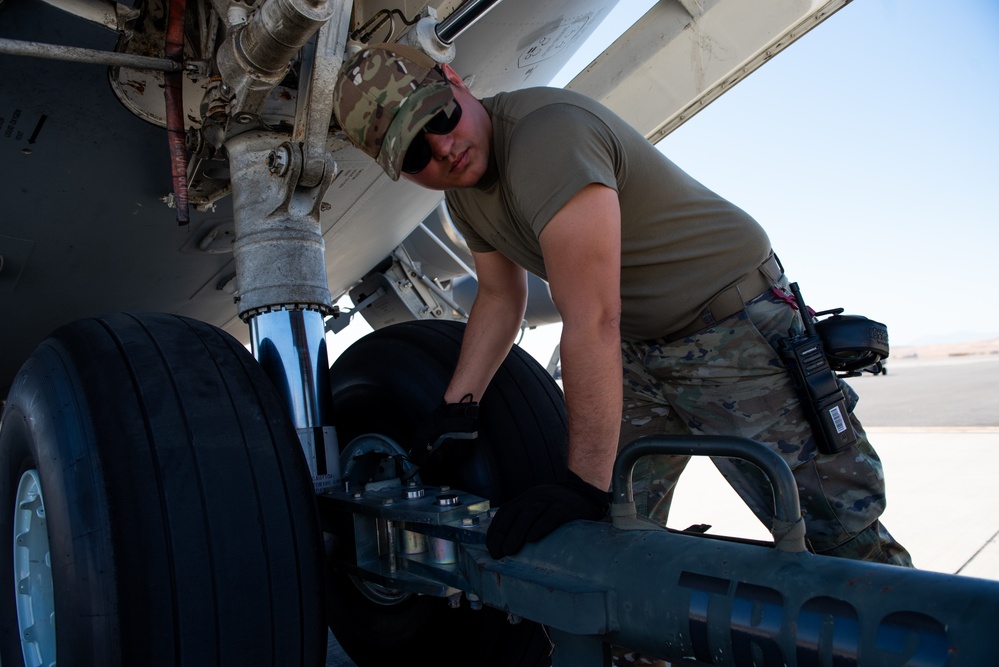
(174, 94)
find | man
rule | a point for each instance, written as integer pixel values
(650, 271)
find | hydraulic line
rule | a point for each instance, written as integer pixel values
(173, 93)
(80, 55)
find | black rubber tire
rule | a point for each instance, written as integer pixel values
(386, 383)
(181, 518)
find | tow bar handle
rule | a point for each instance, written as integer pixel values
(788, 528)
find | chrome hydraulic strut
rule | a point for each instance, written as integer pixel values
(278, 184)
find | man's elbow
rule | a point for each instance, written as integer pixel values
(601, 325)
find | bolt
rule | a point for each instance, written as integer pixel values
(447, 500)
(192, 140)
(325, 206)
(278, 161)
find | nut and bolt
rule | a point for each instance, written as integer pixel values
(447, 500)
(278, 161)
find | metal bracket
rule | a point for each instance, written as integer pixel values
(315, 109)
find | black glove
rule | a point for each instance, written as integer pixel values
(461, 420)
(540, 510)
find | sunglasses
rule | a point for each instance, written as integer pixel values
(419, 153)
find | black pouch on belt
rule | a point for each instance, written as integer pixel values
(817, 385)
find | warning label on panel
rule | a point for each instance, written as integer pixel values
(15, 125)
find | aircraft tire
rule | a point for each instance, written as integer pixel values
(147, 459)
(385, 383)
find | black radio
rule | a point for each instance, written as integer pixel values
(817, 385)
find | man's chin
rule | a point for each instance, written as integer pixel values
(469, 175)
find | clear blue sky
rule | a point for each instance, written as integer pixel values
(869, 150)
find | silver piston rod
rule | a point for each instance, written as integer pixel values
(291, 347)
(462, 19)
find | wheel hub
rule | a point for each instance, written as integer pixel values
(370, 460)
(33, 574)
(366, 462)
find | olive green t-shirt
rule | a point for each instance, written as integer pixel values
(680, 242)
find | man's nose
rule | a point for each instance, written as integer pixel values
(440, 144)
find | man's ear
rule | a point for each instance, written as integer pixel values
(452, 76)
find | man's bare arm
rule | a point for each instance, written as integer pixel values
(493, 323)
(582, 250)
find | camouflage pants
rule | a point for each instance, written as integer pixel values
(728, 380)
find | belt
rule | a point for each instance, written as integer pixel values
(732, 299)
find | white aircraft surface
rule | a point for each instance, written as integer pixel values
(175, 191)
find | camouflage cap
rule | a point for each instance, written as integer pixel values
(384, 96)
